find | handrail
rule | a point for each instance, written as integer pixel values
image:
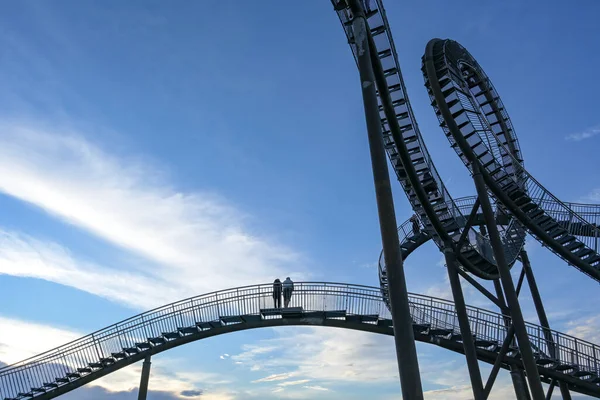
(141, 329)
(476, 241)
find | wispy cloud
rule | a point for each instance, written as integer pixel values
(593, 196)
(586, 328)
(316, 387)
(193, 241)
(325, 355)
(585, 134)
(22, 339)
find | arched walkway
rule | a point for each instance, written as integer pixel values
(357, 307)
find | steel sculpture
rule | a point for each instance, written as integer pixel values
(479, 129)
(509, 204)
(357, 307)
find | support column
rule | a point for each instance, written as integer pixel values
(143, 392)
(463, 322)
(516, 374)
(533, 376)
(543, 318)
(406, 351)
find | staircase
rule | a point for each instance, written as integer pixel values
(476, 255)
(478, 127)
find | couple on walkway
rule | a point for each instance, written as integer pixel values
(287, 287)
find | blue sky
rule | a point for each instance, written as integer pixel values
(153, 151)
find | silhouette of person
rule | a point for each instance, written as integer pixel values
(415, 225)
(288, 288)
(277, 293)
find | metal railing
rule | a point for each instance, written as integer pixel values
(389, 58)
(501, 163)
(154, 328)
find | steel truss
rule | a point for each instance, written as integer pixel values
(505, 245)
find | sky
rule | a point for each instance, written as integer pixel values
(151, 151)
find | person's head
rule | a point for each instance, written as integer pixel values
(277, 280)
(288, 278)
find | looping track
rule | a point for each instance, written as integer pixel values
(477, 125)
(479, 129)
(441, 217)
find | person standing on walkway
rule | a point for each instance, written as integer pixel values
(277, 293)
(415, 225)
(288, 288)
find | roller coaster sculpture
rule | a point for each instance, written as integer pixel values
(509, 204)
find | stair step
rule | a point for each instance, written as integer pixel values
(50, 385)
(440, 331)
(565, 239)
(96, 365)
(574, 245)
(172, 335)
(485, 343)
(581, 373)
(107, 360)
(188, 330)
(119, 355)
(565, 367)
(85, 370)
(583, 252)
(544, 361)
(143, 345)
(131, 350)
(421, 327)
(157, 340)
(38, 390)
(73, 375)
(62, 380)
(203, 325)
(335, 314)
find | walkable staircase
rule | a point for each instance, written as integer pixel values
(478, 127)
(478, 261)
(74, 364)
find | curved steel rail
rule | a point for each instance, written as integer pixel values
(81, 361)
(411, 238)
(475, 121)
(439, 214)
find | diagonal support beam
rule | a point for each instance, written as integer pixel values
(533, 376)
(483, 290)
(469, 224)
(550, 389)
(463, 322)
(498, 363)
(520, 282)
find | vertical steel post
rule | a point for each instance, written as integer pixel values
(543, 318)
(463, 322)
(533, 376)
(143, 392)
(516, 373)
(406, 351)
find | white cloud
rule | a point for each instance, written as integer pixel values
(316, 387)
(22, 339)
(593, 196)
(324, 354)
(586, 329)
(293, 383)
(274, 377)
(586, 134)
(24, 256)
(195, 242)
